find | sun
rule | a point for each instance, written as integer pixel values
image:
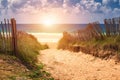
(49, 20)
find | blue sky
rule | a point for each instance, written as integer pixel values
(64, 11)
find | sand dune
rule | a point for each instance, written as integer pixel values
(66, 65)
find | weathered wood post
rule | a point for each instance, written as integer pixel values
(8, 28)
(3, 37)
(6, 35)
(111, 27)
(14, 36)
(114, 27)
(0, 39)
(107, 27)
(9, 35)
(119, 25)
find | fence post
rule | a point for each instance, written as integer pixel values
(107, 27)
(6, 35)
(8, 28)
(119, 25)
(3, 37)
(14, 36)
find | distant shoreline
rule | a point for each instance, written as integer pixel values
(47, 37)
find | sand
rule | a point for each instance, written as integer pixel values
(52, 45)
(66, 65)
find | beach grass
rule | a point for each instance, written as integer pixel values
(104, 48)
(106, 43)
(28, 48)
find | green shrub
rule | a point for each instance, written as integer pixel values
(39, 73)
(28, 49)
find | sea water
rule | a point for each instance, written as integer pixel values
(50, 33)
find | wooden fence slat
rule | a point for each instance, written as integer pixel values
(14, 35)
(5, 26)
(8, 28)
(3, 37)
(119, 25)
(8, 36)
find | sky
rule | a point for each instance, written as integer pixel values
(62, 11)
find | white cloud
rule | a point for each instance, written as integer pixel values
(116, 11)
(106, 10)
(85, 10)
(105, 1)
(91, 5)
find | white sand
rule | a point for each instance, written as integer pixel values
(47, 37)
(65, 65)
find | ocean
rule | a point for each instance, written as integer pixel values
(55, 28)
(50, 33)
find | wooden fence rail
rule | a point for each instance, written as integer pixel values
(112, 26)
(8, 36)
(95, 30)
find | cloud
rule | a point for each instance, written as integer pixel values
(111, 3)
(116, 12)
(4, 3)
(91, 5)
(105, 1)
(108, 1)
(78, 9)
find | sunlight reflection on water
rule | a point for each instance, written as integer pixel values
(47, 37)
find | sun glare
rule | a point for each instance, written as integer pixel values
(49, 20)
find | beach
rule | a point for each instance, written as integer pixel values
(47, 37)
(66, 65)
(51, 39)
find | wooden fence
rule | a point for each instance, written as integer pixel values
(95, 30)
(8, 36)
(112, 26)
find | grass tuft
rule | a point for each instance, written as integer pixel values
(28, 49)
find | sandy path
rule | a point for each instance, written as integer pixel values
(65, 65)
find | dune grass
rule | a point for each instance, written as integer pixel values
(107, 43)
(28, 49)
(105, 48)
(65, 41)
